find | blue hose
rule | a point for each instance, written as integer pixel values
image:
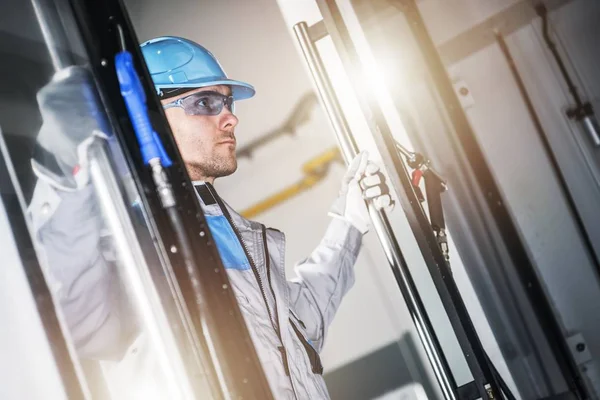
(135, 100)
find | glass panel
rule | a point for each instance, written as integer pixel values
(84, 214)
(393, 65)
(510, 321)
(30, 333)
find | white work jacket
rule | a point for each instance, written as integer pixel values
(287, 319)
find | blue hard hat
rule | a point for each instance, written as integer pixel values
(177, 63)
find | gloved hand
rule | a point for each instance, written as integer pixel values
(362, 181)
(73, 117)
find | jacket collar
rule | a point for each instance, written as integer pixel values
(209, 200)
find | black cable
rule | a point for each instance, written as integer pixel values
(581, 110)
(542, 11)
(435, 185)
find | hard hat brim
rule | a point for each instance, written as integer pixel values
(239, 90)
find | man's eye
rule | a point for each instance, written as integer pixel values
(202, 103)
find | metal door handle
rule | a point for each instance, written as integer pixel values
(380, 221)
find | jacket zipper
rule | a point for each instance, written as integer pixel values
(246, 252)
(268, 267)
(313, 357)
(275, 326)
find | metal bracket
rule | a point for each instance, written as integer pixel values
(317, 31)
(579, 348)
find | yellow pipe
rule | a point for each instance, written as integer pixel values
(314, 171)
(320, 162)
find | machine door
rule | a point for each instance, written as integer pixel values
(469, 141)
(111, 286)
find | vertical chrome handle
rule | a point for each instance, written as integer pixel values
(380, 221)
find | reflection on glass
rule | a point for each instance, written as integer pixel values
(71, 171)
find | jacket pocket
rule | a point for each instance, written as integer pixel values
(313, 356)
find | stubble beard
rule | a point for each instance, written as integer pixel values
(217, 167)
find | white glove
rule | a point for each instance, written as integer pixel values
(362, 181)
(80, 175)
(73, 116)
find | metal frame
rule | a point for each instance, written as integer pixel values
(458, 122)
(486, 258)
(382, 225)
(217, 336)
(494, 199)
(400, 181)
(109, 196)
(482, 35)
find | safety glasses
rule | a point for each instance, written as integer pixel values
(203, 103)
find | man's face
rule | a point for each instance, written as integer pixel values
(206, 142)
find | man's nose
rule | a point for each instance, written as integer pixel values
(228, 120)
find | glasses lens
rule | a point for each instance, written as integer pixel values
(206, 103)
(229, 103)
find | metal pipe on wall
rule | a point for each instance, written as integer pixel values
(582, 112)
(299, 116)
(381, 223)
(562, 181)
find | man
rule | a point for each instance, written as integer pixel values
(287, 320)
